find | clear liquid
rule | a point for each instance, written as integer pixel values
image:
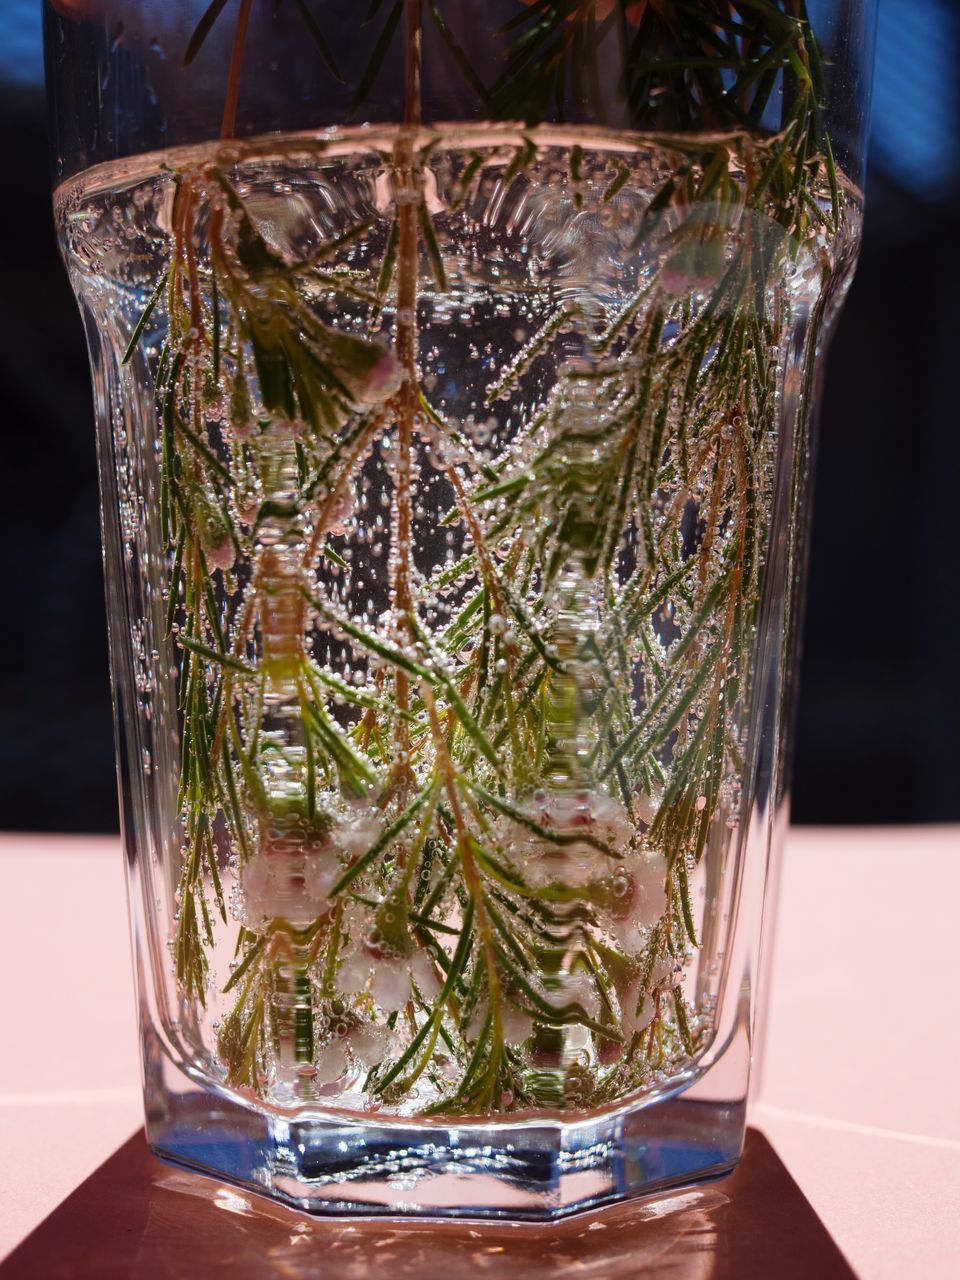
(462, 466)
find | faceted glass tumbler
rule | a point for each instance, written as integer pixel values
(455, 368)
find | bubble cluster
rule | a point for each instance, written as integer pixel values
(445, 589)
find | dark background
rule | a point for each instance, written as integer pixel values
(878, 727)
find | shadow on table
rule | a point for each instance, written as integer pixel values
(138, 1219)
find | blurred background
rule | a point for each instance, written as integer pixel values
(878, 729)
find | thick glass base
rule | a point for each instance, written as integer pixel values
(538, 1170)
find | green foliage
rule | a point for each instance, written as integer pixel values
(637, 494)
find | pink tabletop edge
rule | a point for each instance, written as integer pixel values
(849, 1092)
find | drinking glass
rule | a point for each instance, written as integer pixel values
(455, 369)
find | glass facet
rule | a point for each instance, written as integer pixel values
(454, 372)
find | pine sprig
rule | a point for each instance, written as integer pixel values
(469, 814)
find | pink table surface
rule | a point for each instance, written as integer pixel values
(857, 1089)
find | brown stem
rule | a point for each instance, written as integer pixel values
(229, 124)
(193, 274)
(471, 874)
(713, 509)
(408, 261)
(493, 586)
(412, 63)
(483, 553)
